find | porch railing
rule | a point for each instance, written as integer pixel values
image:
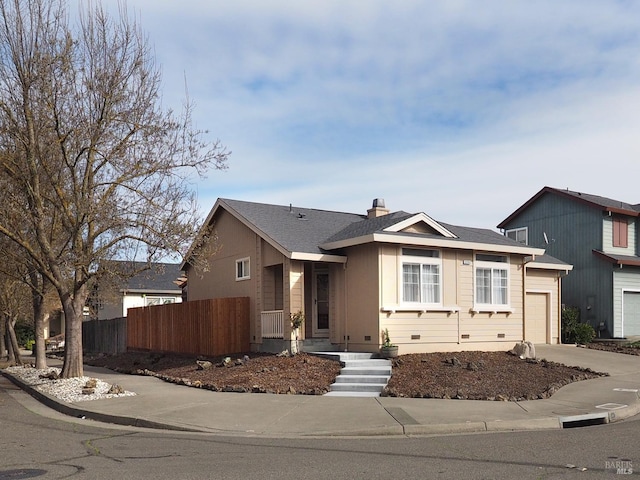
(272, 324)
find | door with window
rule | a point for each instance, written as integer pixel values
(320, 291)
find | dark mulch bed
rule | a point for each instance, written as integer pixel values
(479, 376)
(462, 375)
(617, 347)
(252, 372)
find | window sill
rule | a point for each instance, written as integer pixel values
(491, 309)
(419, 308)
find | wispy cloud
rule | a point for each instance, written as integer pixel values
(460, 109)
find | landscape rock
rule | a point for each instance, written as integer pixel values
(524, 350)
(91, 383)
(115, 390)
(204, 364)
(52, 375)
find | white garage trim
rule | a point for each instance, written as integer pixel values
(625, 290)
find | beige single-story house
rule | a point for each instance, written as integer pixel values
(434, 286)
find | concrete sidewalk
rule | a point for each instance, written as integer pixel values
(164, 405)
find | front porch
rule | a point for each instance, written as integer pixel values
(274, 338)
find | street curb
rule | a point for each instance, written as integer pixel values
(541, 423)
(72, 411)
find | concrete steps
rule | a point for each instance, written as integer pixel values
(360, 376)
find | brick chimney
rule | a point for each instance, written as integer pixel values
(378, 209)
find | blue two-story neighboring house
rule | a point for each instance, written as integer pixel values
(598, 236)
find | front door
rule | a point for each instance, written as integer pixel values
(320, 291)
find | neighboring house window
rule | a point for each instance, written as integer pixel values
(492, 279)
(620, 232)
(518, 234)
(159, 300)
(420, 276)
(242, 269)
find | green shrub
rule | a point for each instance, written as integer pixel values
(570, 320)
(573, 331)
(584, 333)
(24, 333)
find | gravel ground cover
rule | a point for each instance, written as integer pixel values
(69, 389)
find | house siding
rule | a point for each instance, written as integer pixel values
(573, 230)
(235, 241)
(458, 329)
(363, 297)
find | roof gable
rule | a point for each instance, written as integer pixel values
(420, 223)
(594, 201)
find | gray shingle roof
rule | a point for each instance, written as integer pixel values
(368, 226)
(296, 229)
(299, 229)
(159, 278)
(600, 201)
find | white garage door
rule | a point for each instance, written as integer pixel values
(536, 320)
(631, 314)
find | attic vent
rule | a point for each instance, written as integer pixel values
(301, 216)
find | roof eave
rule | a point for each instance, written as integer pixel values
(432, 242)
(617, 261)
(318, 257)
(550, 266)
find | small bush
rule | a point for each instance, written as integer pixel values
(584, 333)
(573, 331)
(24, 333)
(570, 320)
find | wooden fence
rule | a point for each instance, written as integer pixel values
(105, 336)
(202, 327)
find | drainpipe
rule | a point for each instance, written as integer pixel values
(346, 308)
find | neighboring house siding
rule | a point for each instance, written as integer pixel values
(607, 238)
(573, 230)
(623, 281)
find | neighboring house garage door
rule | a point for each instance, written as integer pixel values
(631, 314)
(536, 317)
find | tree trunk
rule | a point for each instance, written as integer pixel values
(38, 320)
(3, 343)
(72, 366)
(13, 342)
(41, 351)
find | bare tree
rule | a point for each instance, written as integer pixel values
(14, 304)
(93, 156)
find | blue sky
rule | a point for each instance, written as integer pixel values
(459, 109)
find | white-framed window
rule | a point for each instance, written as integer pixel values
(492, 279)
(242, 269)
(520, 235)
(421, 276)
(149, 301)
